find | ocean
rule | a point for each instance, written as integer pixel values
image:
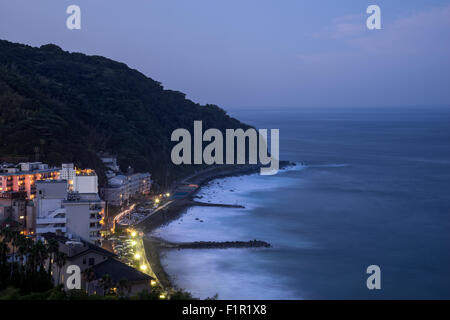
(374, 189)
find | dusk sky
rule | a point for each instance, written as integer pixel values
(259, 53)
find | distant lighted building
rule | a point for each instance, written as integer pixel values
(122, 187)
(23, 178)
(67, 173)
(79, 180)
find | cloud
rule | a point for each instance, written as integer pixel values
(406, 62)
(342, 27)
(423, 33)
(426, 31)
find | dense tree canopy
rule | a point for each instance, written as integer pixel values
(71, 106)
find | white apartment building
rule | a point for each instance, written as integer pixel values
(67, 213)
(78, 180)
(121, 187)
(67, 172)
(50, 215)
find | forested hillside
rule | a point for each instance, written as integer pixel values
(72, 106)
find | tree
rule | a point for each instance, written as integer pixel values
(53, 249)
(89, 276)
(123, 287)
(60, 260)
(107, 283)
(14, 240)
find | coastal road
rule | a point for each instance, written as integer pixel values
(156, 211)
(123, 213)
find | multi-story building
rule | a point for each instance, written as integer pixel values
(84, 212)
(121, 188)
(145, 183)
(23, 178)
(67, 173)
(16, 211)
(110, 163)
(68, 213)
(50, 213)
(79, 180)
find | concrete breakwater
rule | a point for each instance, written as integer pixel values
(213, 244)
(208, 204)
(223, 244)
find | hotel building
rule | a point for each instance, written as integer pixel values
(79, 180)
(23, 178)
(122, 187)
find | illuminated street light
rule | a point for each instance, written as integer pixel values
(133, 234)
(162, 296)
(167, 194)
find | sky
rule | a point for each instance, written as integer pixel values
(259, 53)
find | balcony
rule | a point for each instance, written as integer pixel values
(95, 226)
(95, 207)
(50, 229)
(96, 218)
(56, 216)
(94, 235)
(50, 220)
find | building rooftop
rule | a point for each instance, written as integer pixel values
(52, 181)
(75, 247)
(29, 172)
(119, 271)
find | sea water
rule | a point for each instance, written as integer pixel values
(374, 188)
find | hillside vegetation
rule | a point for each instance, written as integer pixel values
(71, 106)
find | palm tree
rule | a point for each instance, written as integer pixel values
(3, 255)
(15, 239)
(60, 260)
(89, 276)
(43, 255)
(122, 287)
(38, 256)
(52, 249)
(106, 283)
(10, 237)
(24, 245)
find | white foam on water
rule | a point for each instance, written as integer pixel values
(225, 272)
(232, 273)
